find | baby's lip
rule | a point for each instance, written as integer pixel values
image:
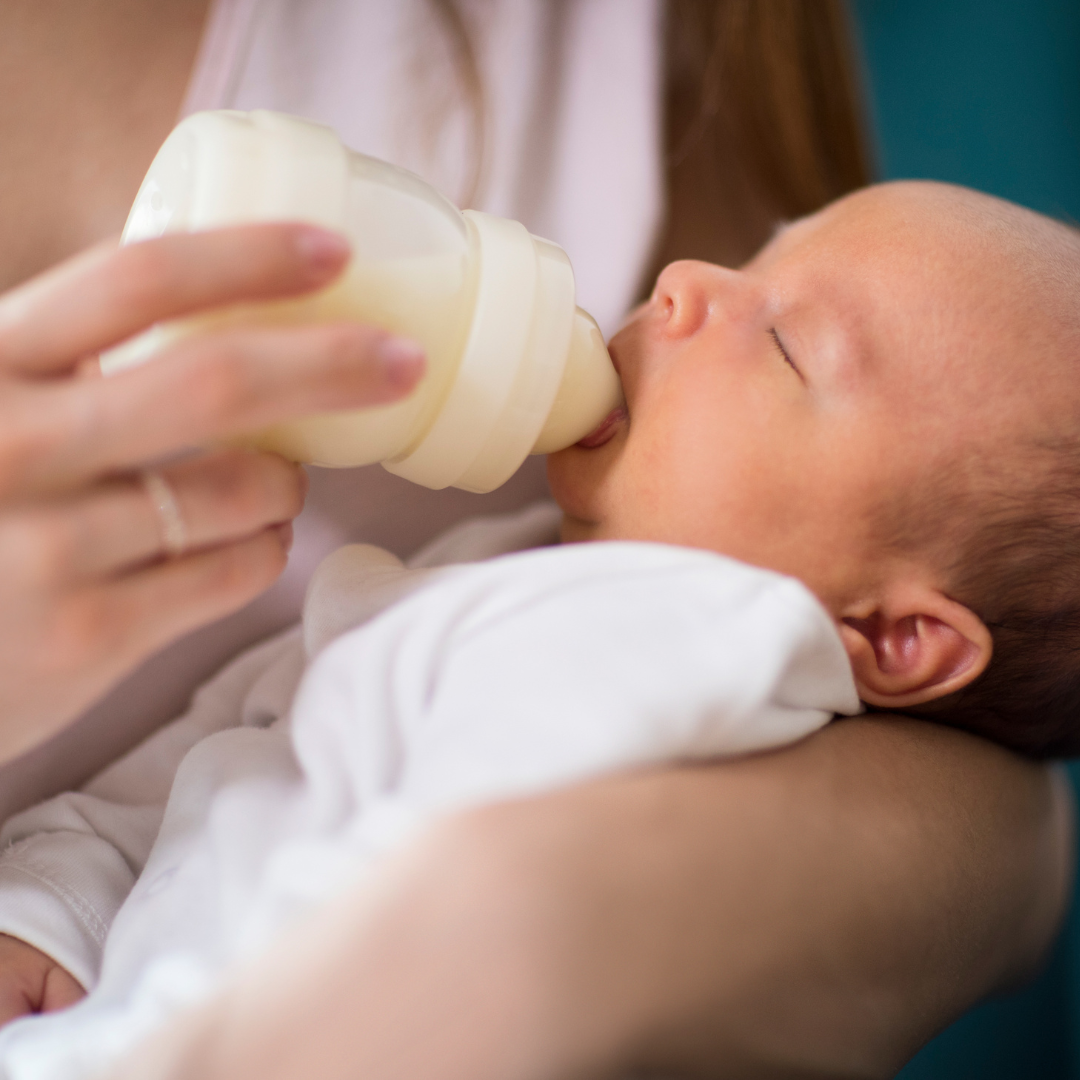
(605, 430)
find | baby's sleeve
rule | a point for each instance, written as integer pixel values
(69, 863)
(549, 668)
(639, 655)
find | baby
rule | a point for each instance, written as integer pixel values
(844, 473)
(883, 404)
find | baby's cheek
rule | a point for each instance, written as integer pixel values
(583, 481)
(572, 479)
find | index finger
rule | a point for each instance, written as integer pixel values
(106, 294)
(200, 390)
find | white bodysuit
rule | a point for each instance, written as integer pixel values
(407, 693)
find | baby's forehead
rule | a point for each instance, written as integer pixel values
(956, 258)
(948, 226)
(949, 297)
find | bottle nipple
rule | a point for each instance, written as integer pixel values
(589, 389)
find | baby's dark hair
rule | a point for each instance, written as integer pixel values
(1003, 522)
(1018, 569)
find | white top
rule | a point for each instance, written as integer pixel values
(572, 149)
(427, 689)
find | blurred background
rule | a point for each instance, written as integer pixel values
(987, 93)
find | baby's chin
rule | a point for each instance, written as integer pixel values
(575, 531)
(576, 526)
(574, 479)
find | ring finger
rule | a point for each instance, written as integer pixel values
(120, 523)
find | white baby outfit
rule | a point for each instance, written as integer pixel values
(407, 693)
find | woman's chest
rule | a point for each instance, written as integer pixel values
(88, 89)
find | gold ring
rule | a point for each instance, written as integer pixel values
(163, 499)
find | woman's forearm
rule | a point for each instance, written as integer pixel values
(818, 911)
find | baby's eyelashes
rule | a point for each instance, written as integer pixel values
(784, 353)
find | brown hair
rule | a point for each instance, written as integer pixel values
(1019, 570)
(764, 121)
(1001, 521)
(763, 118)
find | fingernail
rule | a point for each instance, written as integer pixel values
(324, 251)
(402, 360)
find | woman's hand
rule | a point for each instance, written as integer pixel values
(818, 911)
(86, 591)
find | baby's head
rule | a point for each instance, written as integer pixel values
(884, 403)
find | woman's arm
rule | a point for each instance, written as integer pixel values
(819, 911)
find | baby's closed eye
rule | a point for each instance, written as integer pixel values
(784, 353)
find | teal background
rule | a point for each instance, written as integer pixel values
(987, 93)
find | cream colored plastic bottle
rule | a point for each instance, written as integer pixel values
(513, 366)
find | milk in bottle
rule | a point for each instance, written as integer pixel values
(513, 366)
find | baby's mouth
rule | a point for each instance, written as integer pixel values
(605, 431)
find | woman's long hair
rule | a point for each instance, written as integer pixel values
(763, 118)
(764, 121)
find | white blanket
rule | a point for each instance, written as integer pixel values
(409, 693)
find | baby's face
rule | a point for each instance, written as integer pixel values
(772, 412)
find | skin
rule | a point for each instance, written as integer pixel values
(88, 91)
(93, 87)
(36, 983)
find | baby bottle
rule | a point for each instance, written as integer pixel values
(513, 366)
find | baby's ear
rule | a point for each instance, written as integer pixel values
(917, 647)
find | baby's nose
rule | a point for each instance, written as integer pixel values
(686, 292)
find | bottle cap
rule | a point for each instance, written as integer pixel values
(514, 366)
